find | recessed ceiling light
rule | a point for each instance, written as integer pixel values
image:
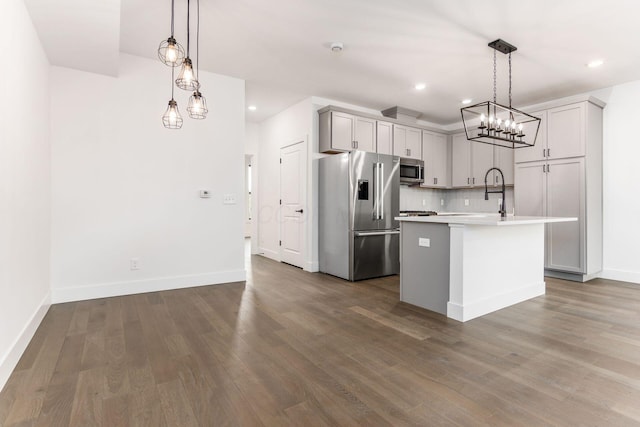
(420, 86)
(252, 108)
(466, 101)
(595, 63)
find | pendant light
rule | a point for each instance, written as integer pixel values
(172, 118)
(492, 123)
(170, 52)
(197, 107)
(187, 79)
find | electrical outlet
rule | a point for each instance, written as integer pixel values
(424, 202)
(466, 202)
(229, 199)
(441, 202)
(424, 242)
(134, 264)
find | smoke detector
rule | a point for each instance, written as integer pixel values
(336, 47)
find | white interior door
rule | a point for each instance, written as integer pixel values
(292, 194)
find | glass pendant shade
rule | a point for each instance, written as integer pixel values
(187, 78)
(197, 107)
(172, 118)
(171, 53)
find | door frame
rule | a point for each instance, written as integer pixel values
(304, 199)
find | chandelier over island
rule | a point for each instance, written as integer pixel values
(492, 123)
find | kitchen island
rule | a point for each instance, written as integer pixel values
(468, 265)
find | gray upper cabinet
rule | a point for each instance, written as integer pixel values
(345, 132)
(470, 162)
(562, 134)
(461, 161)
(385, 137)
(434, 155)
(563, 177)
(407, 142)
(539, 150)
(481, 162)
(503, 159)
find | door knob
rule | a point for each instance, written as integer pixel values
(300, 210)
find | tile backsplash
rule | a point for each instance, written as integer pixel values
(423, 199)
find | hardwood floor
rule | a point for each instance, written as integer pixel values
(294, 348)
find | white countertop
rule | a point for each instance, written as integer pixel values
(483, 219)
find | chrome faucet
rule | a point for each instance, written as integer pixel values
(503, 207)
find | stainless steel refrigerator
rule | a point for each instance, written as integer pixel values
(358, 201)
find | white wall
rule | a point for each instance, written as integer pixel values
(25, 194)
(124, 187)
(287, 127)
(621, 201)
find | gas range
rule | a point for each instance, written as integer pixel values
(418, 213)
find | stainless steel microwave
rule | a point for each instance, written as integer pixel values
(411, 171)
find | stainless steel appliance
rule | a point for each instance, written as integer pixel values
(411, 171)
(358, 200)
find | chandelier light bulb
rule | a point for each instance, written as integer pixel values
(187, 79)
(507, 124)
(172, 118)
(171, 53)
(197, 107)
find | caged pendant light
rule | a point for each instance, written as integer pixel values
(187, 79)
(172, 118)
(197, 107)
(170, 52)
(492, 123)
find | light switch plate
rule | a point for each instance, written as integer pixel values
(229, 199)
(424, 242)
(205, 194)
(466, 202)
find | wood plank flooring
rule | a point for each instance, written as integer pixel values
(294, 348)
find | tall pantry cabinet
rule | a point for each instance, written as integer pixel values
(562, 176)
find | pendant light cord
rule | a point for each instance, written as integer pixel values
(198, 42)
(188, 20)
(509, 79)
(172, 79)
(172, 16)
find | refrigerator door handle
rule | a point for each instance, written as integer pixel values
(381, 190)
(375, 233)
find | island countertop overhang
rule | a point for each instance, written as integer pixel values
(484, 219)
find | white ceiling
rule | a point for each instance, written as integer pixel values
(280, 47)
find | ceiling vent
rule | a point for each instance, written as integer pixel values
(401, 113)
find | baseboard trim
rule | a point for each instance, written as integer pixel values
(274, 255)
(11, 358)
(479, 308)
(621, 275)
(105, 290)
(312, 266)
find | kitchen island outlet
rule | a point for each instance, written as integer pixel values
(467, 265)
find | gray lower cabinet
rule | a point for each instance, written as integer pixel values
(423, 280)
(556, 188)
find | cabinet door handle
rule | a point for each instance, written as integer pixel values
(548, 168)
(408, 151)
(544, 152)
(548, 152)
(468, 181)
(544, 169)
(474, 180)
